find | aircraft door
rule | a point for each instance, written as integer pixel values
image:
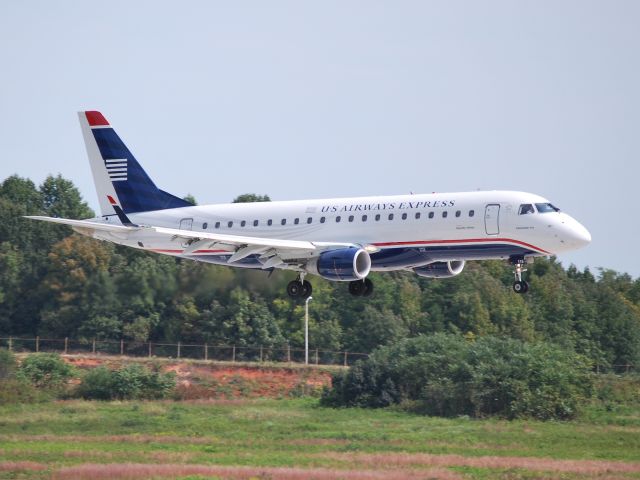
(186, 224)
(492, 219)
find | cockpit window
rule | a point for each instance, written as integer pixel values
(546, 208)
(526, 208)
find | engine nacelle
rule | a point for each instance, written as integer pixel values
(342, 264)
(440, 269)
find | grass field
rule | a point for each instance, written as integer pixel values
(296, 438)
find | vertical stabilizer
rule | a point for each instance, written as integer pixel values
(119, 178)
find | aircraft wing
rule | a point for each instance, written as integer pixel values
(240, 246)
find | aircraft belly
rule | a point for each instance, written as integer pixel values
(403, 257)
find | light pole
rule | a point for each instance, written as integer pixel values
(306, 330)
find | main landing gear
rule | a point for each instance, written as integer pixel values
(299, 288)
(519, 286)
(361, 288)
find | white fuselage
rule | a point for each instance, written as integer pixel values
(438, 227)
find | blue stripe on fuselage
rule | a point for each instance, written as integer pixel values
(402, 257)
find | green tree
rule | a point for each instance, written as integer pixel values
(250, 198)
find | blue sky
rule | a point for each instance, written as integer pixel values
(334, 98)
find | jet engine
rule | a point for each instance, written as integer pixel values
(440, 269)
(342, 265)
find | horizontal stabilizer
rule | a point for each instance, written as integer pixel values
(84, 224)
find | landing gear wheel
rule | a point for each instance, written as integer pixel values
(305, 290)
(293, 288)
(520, 287)
(361, 288)
(368, 288)
(356, 288)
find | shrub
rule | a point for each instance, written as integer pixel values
(12, 389)
(131, 382)
(45, 370)
(446, 375)
(7, 364)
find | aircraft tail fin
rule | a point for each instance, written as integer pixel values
(120, 181)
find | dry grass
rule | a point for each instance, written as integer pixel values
(136, 471)
(582, 467)
(22, 466)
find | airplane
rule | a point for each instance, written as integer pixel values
(338, 239)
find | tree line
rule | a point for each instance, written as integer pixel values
(58, 284)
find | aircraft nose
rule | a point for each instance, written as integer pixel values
(579, 235)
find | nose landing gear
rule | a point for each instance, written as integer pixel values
(519, 286)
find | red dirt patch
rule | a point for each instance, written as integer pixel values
(210, 380)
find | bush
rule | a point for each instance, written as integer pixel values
(132, 382)
(12, 389)
(45, 370)
(7, 364)
(446, 375)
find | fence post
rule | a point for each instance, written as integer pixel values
(178, 349)
(288, 353)
(233, 354)
(66, 345)
(11, 344)
(93, 346)
(345, 359)
(206, 352)
(37, 344)
(316, 356)
(149, 349)
(260, 353)
(121, 346)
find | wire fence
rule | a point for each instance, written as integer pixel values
(226, 353)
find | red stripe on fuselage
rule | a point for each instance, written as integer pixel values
(160, 250)
(466, 240)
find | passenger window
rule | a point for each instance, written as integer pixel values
(230, 224)
(309, 220)
(269, 222)
(458, 213)
(471, 213)
(283, 221)
(417, 215)
(391, 216)
(378, 217)
(255, 223)
(444, 214)
(217, 225)
(525, 209)
(430, 214)
(351, 218)
(404, 216)
(364, 218)
(296, 221)
(204, 226)
(322, 219)
(338, 218)
(243, 223)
